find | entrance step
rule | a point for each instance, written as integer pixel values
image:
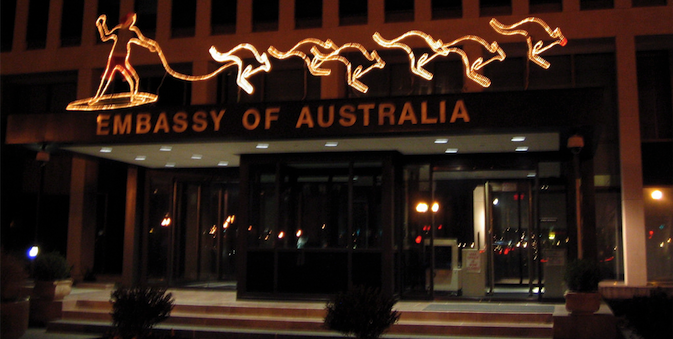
(241, 319)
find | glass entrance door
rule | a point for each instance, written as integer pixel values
(511, 235)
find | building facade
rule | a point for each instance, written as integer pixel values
(297, 148)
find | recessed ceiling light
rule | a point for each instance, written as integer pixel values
(531, 175)
(518, 138)
(170, 164)
(441, 141)
(451, 150)
(522, 149)
(166, 148)
(140, 157)
(197, 156)
(106, 149)
(223, 163)
(262, 146)
(331, 144)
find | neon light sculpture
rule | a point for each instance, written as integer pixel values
(441, 49)
(534, 51)
(314, 52)
(319, 58)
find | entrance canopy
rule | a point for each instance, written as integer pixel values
(211, 135)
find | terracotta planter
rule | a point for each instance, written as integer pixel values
(14, 322)
(582, 303)
(52, 290)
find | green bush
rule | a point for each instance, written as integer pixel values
(51, 267)
(583, 275)
(364, 312)
(136, 310)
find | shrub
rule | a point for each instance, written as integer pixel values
(364, 312)
(51, 267)
(136, 310)
(583, 275)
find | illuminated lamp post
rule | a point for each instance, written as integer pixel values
(42, 158)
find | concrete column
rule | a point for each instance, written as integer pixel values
(203, 92)
(131, 224)
(54, 24)
(470, 9)
(333, 86)
(330, 14)
(82, 216)
(633, 207)
(375, 12)
(244, 17)
(203, 9)
(20, 26)
(286, 15)
(423, 10)
(163, 20)
(520, 7)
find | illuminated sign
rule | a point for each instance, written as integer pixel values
(315, 53)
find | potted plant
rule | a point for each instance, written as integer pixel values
(364, 312)
(136, 310)
(15, 306)
(582, 277)
(52, 276)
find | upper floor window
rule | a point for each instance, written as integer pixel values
(546, 6)
(308, 13)
(447, 9)
(146, 11)
(399, 10)
(111, 10)
(596, 4)
(38, 93)
(183, 18)
(7, 25)
(654, 94)
(71, 22)
(352, 12)
(495, 7)
(265, 15)
(38, 16)
(646, 3)
(223, 16)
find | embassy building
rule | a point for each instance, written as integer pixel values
(297, 148)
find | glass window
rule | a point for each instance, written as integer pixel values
(352, 12)
(655, 95)
(507, 75)
(399, 10)
(308, 13)
(495, 7)
(153, 79)
(265, 15)
(447, 9)
(183, 18)
(71, 22)
(659, 228)
(38, 16)
(223, 16)
(146, 11)
(545, 6)
(7, 16)
(111, 9)
(558, 75)
(596, 4)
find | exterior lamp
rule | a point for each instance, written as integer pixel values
(421, 207)
(32, 252)
(166, 221)
(657, 195)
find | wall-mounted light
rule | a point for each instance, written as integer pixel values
(33, 252)
(166, 221)
(657, 195)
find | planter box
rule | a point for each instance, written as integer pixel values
(14, 316)
(52, 290)
(583, 303)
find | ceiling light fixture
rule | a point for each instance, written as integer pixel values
(522, 149)
(331, 144)
(106, 149)
(166, 148)
(518, 138)
(262, 146)
(140, 157)
(223, 163)
(170, 164)
(441, 141)
(197, 156)
(451, 150)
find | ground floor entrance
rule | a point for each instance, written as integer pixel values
(286, 226)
